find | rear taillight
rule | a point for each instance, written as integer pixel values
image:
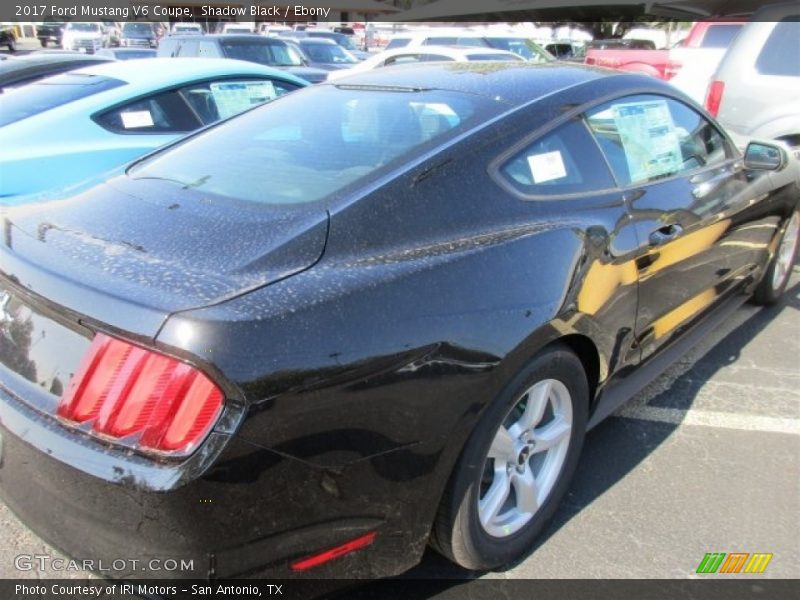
(141, 399)
(714, 97)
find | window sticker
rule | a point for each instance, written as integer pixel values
(235, 97)
(649, 137)
(547, 167)
(135, 119)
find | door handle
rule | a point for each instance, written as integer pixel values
(664, 234)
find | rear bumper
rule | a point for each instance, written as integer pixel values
(250, 514)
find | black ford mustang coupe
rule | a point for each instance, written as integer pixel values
(369, 316)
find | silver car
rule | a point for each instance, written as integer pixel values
(755, 91)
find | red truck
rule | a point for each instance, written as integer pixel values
(665, 64)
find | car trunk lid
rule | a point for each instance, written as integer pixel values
(130, 252)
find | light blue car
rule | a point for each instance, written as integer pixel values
(65, 130)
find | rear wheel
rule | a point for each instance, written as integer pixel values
(516, 466)
(43, 42)
(779, 270)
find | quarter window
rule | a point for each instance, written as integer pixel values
(192, 106)
(647, 138)
(564, 161)
(780, 53)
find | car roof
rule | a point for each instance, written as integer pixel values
(155, 72)
(512, 82)
(32, 61)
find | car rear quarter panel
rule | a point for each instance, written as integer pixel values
(434, 289)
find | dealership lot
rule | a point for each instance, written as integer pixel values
(706, 459)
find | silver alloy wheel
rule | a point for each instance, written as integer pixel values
(786, 251)
(525, 458)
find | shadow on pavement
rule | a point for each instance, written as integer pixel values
(612, 450)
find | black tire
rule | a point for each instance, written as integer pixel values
(43, 42)
(458, 533)
(12, 45)
(769, 291)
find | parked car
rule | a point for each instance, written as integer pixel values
(713, 34)
(401, 56)
(521, 45)
(368, 317)
(8, 38)
(138, 34)
(22, 70)
(272, 30)
(112, 34)
(345, 41)
(50, 31)
(236, 28)
(187, 28)
(755, 91)
(265, 51)
(83, 37)
(127, 53)
(322, 53)
(78, 125)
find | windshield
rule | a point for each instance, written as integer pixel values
(49, 93)
(264, 52)
(346, 42)
(90, 27)
(313, 144)
(137, 28)
(524, 47)
(327, 53)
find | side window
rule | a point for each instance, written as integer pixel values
(162, 113)
(564, 161)
(781, 45)
(646, 138)
(435, 58)
(208, 50)
(401, 59)
(212, 101)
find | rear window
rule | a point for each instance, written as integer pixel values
(137, 29)
(50, 93)
(315, 144)
(527, 49)
(720, 36)
(782, 44)
(274, 54)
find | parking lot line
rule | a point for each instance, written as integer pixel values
(707, 418)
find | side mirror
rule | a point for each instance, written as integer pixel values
(765, 157)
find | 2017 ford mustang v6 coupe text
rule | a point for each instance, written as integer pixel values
(369, 316)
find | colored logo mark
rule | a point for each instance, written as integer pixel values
(735, 562)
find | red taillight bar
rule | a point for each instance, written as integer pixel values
(328, 555)
(714, 97)
(145, 400)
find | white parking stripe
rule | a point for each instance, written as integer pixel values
(708, 418)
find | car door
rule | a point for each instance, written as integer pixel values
(691, 205)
